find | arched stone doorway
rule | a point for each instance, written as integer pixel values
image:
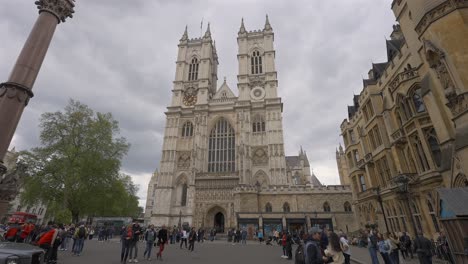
(216, 218)
(219, 222)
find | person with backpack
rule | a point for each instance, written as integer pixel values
(80, 235)
(309, 252)
(150, 237)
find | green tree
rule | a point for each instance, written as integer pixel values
(77, 166)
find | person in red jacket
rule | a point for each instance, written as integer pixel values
(126, 238)
(47, 241)
(12, 232)
(26, 231)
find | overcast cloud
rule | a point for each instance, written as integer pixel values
(119, 56)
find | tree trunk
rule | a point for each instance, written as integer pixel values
(75, 217)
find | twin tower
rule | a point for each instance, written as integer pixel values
(197, 66)
(221, 149)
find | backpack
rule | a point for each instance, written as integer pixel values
(81, 232)
(299, 255)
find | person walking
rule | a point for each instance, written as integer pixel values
(333, 252)
(150, 237)
(91, 233)
(126, 237)
(136, 230)
(289, 243)
(80, 235)
(395, 243)
(191, 238)
(162, 240)
(385, 247)
(244, 236)
(373, 247)
(405, 243)
(344, 243)
(260, 236)
(423, 248)
(284, 239)
(183, 238)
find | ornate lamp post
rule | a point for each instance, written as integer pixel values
(402, 181)
(379, 199)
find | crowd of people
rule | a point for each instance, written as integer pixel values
(318, 245)
(396, 246)
(51, 237)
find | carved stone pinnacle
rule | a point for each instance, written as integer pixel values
(62, 9)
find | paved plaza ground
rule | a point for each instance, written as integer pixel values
(204, 253)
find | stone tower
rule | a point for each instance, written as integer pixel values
(343, 169)
(194, 85)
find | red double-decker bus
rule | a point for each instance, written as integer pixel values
(22, 217)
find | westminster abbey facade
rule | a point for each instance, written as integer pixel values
(223, 163)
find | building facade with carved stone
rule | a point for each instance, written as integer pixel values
(223, 163)
(411, 119)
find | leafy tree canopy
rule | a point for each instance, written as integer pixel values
(77, 166)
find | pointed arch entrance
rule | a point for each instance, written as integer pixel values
(219, 222)
(216, 218)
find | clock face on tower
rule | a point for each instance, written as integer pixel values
(257, 93)
(190, 96)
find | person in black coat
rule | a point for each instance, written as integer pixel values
(162, 239)
(423, 248)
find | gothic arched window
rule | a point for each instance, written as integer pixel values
(296, 178)
(183, 198)
(286, 208)
(221, 154)
(268, 208)
(256, 62)
(326, 207)
(432, 212)
(258, 124)
(418, 148)
(193, 70)
(434, 146)
(347, 207)
(187, 129)
(418, 101)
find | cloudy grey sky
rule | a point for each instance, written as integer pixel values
(119, 56)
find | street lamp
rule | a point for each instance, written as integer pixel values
(402, 181)
(379, 199)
